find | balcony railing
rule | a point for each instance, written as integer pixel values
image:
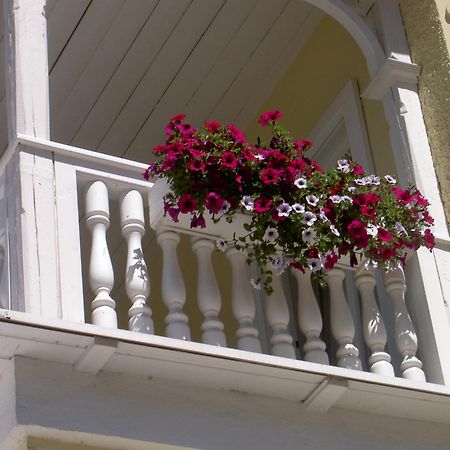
(360, 321)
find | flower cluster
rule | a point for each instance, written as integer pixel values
(300, 216)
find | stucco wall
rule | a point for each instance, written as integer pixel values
(428, 34)
(322, 68)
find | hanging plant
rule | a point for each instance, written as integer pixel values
(300, 215)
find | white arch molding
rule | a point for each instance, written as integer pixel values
(360, 31)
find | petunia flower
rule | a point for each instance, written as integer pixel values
(271, 234)
(269, 117)
(284, 209)
(298, 208)
(309, 218)
(247, 202)
(312, 199)
(309, 235)
(301, 183)
(187, 203)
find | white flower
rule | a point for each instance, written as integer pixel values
(221, 245)
(372, 230)
(370, 264)
(271, 234)
(400, 228)
(351, 188)
(336, 199)
(247, 202)
(256, 283)
(309, 218)
(390, 179)
(314, 264)
(284, 209)
(259, 157)
(334, 230)
(301, 183)
(343, 165)
(225, 207)
(373, 179)
(361, 181)
(346, 198)
(312, 199)
(276, 263)
(298, 208)
(309, 235)
(323, 217)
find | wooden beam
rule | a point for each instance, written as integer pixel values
(26, 47)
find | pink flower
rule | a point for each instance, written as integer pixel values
(358, 170)
(236, 134)
(229, 160)
(214, 202)
(270, 175)
(173, 213)
(186, 130)
(178, 118)
(196, 165)
(429, 239)
(262, 205)
(198, 222)
(330, 260)
(403, 195)
(386, 253)
(301, 144)
(269, 117)
(384, 235)
(212, 126)
(357, 230)
(187, 203)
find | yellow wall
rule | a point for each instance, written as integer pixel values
(428, 34)
(323, 67)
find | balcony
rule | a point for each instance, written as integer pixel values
(128, 290)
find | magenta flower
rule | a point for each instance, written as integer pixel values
(187, 203)
(214, 202)
(236, 134)
(270, 175)
(198, 222)
(269, 117)
(212, 126)
(196, 165)
(186, 130)
(429, 239)
(262, 205)
(178, 118)
(174, 213)
(384, 235)
(301, 144)
(229, 160)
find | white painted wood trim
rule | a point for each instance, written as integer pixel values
(27, 92)
(346, 107)
(70, 284)
(360, 31)
(393, 73)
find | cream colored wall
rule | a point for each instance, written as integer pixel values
(325, 64)
(428, 34)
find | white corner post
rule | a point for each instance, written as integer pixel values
(427, 273)
(38, 187)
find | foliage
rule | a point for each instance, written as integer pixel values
(300, 215)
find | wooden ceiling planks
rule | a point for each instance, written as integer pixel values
(261, 61)
(192, 73)
(127, 68)
(100, 68)
(62, 19)
(234, 58)
(269, 79)
(130, 73)
(158, 78)
(79, 49)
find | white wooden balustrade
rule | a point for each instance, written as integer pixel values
(300, 320)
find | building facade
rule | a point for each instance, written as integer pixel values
(122, 330)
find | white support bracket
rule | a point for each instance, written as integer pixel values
(393, 73)
(326, 394)
(96, 355)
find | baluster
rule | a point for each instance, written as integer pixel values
(342, 325)
(101, 274)
(277, 314)
(373, 325)
(310, 319)
(405, 334)
(137, 283)
(243, 302)
(208, 294)
(173, 289)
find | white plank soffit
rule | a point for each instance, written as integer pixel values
(24, 326)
